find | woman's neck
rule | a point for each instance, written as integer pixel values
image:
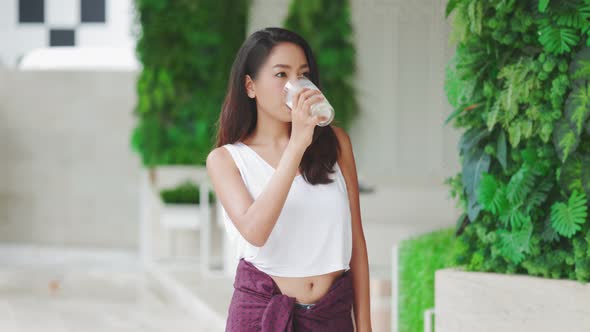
(270, 131)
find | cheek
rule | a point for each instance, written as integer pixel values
(278, 87)
(274, 92)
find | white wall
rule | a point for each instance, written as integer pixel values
(67, 172)
(402, 51)
(20, 38)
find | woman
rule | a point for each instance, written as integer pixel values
(289, 193)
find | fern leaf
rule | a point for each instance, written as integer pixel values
(538, 196)
(565, 139)
(514, 134)
(514, 216)
(572, 174)
(501, 149)
(492, 118)
(513, 245)
(583, 71)
(577, 19)
(578, 107)
(567, 218)
(514, 75)
(520, 185)
(492, 196)
(475, 14)
(543, 5)
(572, 20)
(557, 39)
(584, 11)
(549, 234)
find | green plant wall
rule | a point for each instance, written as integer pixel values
(186, 48)
(519, 86)
(326, 26)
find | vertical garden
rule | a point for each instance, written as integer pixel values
(519, 87)
(186, 48)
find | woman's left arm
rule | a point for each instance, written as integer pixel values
(359, 263)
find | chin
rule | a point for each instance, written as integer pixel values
(287, 111)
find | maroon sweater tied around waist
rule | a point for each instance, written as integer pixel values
(257, 304)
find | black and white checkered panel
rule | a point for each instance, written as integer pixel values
(62, 17)
(26, 25)
(31, 11)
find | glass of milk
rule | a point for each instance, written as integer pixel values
(322, 108)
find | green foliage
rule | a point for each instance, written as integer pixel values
(543, 5)
(575, 175)
(185, 193)
(186, 48)
(567, 218)
(475, 162)
(519, 84)
(326, 26)
(557, 38)
(492, 195)
(515, 244)
(419, 258)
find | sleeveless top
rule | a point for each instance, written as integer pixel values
(313, 234)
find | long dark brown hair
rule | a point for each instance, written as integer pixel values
(238, 114)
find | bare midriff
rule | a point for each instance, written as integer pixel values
(307, 290)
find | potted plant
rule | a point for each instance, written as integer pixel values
(181, 206)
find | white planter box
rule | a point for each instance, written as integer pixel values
(181, 216)
(163, 225)
(491, 302)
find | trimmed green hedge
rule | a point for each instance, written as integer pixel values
(326, 26)
(419, 258)
(186, 48)
(185, 193)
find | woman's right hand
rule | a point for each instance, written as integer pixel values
(302, 123)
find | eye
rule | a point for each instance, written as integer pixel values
(277, 75)
(306, 74)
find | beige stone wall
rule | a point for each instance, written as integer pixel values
(490, 302)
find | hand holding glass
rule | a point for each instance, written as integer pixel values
(322, 108)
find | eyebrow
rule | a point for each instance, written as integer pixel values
(287, 66)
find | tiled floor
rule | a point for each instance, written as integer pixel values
(214, 288)
(57, 291)
(59, 296)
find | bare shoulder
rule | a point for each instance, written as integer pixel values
(217, 156)
(228, 185)
(345, 146)
(342, 136)
(220, 159)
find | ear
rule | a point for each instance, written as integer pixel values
(249, 84)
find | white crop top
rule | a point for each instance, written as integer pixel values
(312, 235)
